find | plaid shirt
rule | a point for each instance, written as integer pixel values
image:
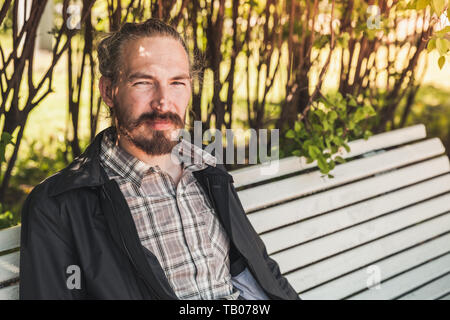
(177, 223)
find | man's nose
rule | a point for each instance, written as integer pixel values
(160, 101)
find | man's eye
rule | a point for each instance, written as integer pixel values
(178, 83)
(142, 83)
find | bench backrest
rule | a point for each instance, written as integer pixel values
(384, 217)
(9, 263)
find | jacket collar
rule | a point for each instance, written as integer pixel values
(86, 170)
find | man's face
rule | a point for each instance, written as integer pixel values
(152, 93)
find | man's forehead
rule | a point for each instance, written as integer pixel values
(149, 74)
(157, 51)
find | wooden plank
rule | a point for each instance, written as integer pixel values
(431, 291)
(9, 266)
(294, 187)
(9, 238)
(329, 245)
(10, 293)
(318, 273)
(346, 217)
(258, 173)
(357, 280)
(307, 207)
(407, 281)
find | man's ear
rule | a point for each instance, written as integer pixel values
(106, 90)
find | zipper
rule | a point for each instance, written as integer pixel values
(128, 252)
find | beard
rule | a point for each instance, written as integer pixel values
(139, 132)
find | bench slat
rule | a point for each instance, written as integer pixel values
(10, 293)
(389, 267)
(446, 297)
(407, 226)
(321, 248)
(9, 266)
(289, 165)
(346, 217)
(431, 291)
(287, 213)
(297, 186)
(9, 238)
(407, 281)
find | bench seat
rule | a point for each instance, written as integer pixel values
(380, 229)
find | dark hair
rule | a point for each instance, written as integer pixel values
(109, 49)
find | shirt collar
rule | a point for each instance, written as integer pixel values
(191, 157)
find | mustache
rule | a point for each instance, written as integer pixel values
(155, 116)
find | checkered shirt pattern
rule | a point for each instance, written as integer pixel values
(177, 223)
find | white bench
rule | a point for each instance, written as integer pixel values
(384, 217)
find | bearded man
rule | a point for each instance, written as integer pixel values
(126, 221)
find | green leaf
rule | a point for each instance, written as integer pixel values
(290, 134)
(441, 45)
(317, 127)
(297, 126)
(411, 5)
(5, 139)
(351, 124)
(334, 148)
(332, 164)
(367, 134)
(347, 148)
(337, 140)
(323, 166)
(332, 115)
(297, 153)
(422, 4)
(313, 151)
(252, 3)
(431, 45)
(327, 143)
(320, 114)
(343, 40)
(441, 62)
(339, 159)
(2, 153)
(443, 31)
(438, 6)
(369, 110)
(352, 102)
(306, 145)
(359, 115)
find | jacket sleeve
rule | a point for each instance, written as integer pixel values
(47, 252)
(272, 264)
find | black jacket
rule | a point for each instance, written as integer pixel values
(78, 217)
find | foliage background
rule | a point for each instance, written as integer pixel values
(323, 72)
